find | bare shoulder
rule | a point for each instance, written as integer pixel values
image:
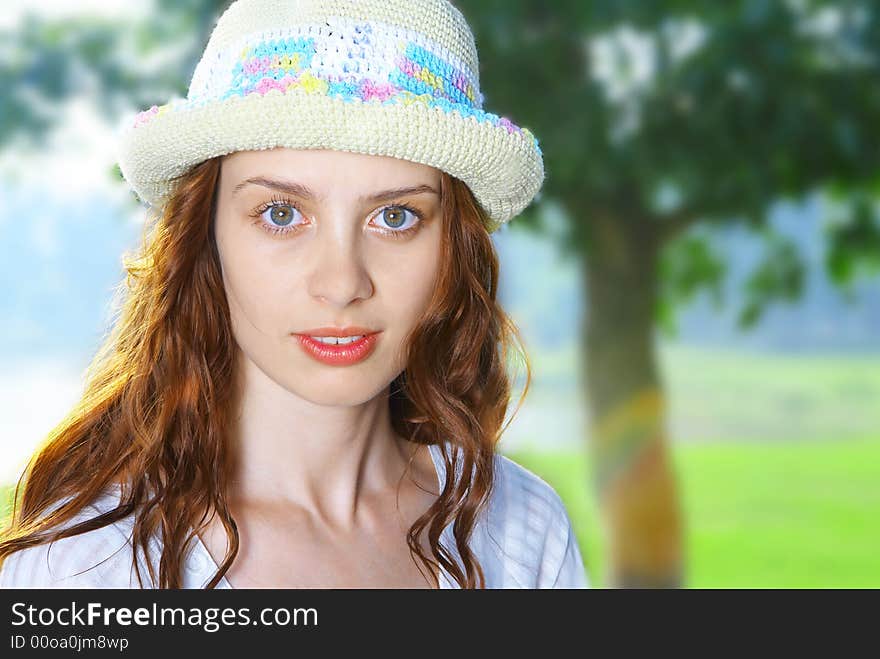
(100, 558)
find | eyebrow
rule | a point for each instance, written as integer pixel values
(300, 190)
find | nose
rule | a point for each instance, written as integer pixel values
(338, 275)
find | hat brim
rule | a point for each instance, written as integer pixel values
(502, 166)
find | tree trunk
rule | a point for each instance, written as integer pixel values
(633, 474)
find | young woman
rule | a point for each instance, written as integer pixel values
(306, 384)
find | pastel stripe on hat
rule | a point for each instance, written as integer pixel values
(357, 61)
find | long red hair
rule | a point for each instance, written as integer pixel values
(158, 393)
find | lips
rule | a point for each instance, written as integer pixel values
(342, 354)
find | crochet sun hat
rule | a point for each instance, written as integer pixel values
(394, 78)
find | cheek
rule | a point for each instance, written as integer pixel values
(409, 281)
(253, 284)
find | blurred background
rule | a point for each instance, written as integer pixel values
(698, 284)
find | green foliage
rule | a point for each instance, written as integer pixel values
(688, 266)
(47, 61)
(745, 103)
(854, 240)
(780, 275)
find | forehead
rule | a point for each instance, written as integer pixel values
(325, 168)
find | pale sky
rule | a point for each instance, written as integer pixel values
(75, 160)
(73, 164)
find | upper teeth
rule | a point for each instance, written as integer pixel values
(333, 340)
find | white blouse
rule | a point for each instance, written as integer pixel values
(523, 539)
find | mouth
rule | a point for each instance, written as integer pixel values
(337, 350)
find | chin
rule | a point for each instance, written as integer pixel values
(340, 387)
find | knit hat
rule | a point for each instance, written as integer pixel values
(395, 78)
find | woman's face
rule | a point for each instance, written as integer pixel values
(307, 239)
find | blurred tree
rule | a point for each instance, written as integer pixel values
(653, 118)
(658, 116)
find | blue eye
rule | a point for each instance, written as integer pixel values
(280, 215)
(277, 216)
(394, 218)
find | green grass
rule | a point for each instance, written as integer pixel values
(758, 515)
(737, 395)
(764, 515)
(734, 394)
